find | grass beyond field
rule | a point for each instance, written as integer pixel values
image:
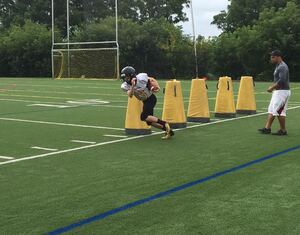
(64, 158)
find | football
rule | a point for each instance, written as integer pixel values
(154, 86)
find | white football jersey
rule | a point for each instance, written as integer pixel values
(141, 90)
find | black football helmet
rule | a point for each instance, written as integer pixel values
(127, 74)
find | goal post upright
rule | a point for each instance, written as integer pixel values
(62, 48)
(52, 36)
(117, 39)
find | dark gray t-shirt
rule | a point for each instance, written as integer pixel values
(281, 76)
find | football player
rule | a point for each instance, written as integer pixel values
(143, 88)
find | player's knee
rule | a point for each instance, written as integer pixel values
(144, 117)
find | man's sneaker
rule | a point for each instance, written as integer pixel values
(280, 132)
(265, 131)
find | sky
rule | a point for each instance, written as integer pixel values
(204, 11)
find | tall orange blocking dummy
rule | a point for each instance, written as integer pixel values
(133, 123)
(173, 109)
(246, 100)
(198, 110)
(225, 107)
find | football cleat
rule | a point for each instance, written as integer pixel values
(169, 132)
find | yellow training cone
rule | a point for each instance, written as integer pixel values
(173, 109)
(225, 107)
(133, 123)
(246, 100)
(198, 110)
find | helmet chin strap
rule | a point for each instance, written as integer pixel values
(128, 80)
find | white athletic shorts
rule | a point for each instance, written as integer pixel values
(279, 102)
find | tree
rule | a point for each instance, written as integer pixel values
(25, 51)
(244, 13)
(17, 12)
(247, 49)
(156, 46)
(83, 12)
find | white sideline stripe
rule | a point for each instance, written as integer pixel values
(69, 93)
(83, 142)
(7, 158)
(116, 136)
(34, 101)
(61, 104)
(51, 105)
(128, 139)
(41, 148)
(62, 124)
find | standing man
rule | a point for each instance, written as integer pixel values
(280, 95)
(143, 88)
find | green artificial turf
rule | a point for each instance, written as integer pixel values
(42, 194)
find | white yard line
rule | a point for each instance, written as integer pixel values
(51, 105)
(25, 101)
(61, 104)
(62, 124)
(70, 87)
(42, 148)
(6, 158)
(70, 93)
(83, 142)
(128, 139)
(116, 136)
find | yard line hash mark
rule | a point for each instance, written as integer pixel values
(42, 148)
(83, 142)
(116, 136)
(6, 158)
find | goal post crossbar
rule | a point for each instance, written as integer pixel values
(86, 49)
(67, 46)
(83, 43)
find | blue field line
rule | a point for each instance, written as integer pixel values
(166, 193)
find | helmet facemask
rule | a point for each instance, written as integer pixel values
(127, 74)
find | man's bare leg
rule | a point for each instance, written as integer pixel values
(269, 121)
(281, 120)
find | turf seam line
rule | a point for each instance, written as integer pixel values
(168, 192)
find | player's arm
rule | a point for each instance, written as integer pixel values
(279, 83)
(273, 87)
(130, 92)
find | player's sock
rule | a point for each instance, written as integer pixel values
(163, 123)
